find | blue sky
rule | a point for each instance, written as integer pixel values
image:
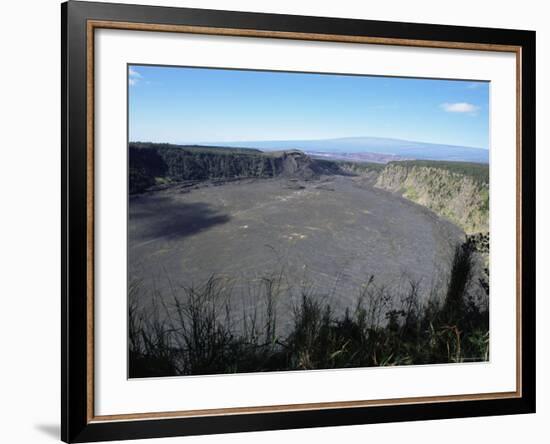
(194, 105)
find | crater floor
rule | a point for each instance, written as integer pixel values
(326, 237)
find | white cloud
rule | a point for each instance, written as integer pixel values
(459, 107)
(133, 73)
(133, 77)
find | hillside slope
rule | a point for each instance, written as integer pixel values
(150, 163)
(457, 191)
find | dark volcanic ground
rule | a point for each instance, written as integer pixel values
(327, 236)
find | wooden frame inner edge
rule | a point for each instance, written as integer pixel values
(95, 24)
(90, 260)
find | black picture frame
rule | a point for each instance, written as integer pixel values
(76, 423)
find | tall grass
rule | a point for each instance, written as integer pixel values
(196, 333)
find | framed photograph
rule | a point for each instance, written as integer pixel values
(275, 221)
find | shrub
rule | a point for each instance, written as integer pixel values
(196, 332)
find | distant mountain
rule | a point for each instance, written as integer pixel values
(357, 157)
(359, 145)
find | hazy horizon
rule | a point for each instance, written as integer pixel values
(233, 143)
